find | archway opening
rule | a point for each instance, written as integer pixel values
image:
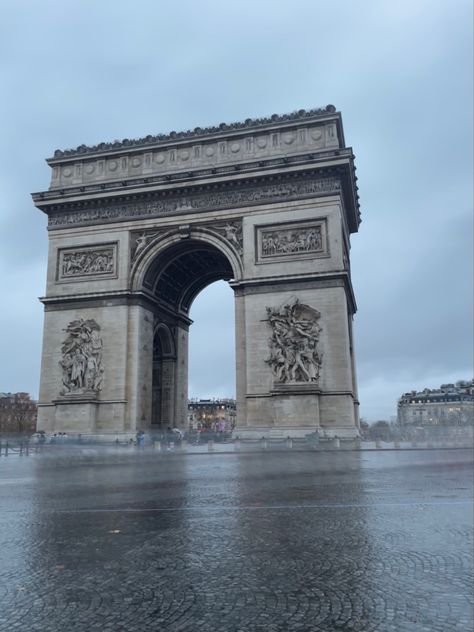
(212, 373)
(179, 273)
(164, 359)
(173, 280)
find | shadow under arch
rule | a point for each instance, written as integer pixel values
(171, 270)
(164, 359)
(175, 266)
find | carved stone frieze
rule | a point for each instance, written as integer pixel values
(201, 201)
(287, 241)
(81, 362)
(89, 261)
(294, 357)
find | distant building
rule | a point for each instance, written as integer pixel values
(18, 413)
(449, 405)
(215, 414)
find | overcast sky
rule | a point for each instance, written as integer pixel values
(400, 73)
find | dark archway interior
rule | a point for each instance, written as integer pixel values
(174, 278)
(178, 274)
(164, 357)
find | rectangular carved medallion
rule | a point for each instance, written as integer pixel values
(292, 240)
(75, 264)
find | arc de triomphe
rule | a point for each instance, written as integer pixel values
(138, 228)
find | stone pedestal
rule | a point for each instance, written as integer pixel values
(296, 405)
(76, 413)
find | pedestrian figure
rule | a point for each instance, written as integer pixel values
(41, 441)
(141, 439)
(169, 438)
(177, 436)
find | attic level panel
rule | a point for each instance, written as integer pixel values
(289, 157)
(228, 145)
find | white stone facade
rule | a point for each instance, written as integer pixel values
(448, 405)
(131, 247)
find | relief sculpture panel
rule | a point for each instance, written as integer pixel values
(81, 362)
(90, 261)
(140, 240)
(232, 232)
(294, 356)
(295, 239)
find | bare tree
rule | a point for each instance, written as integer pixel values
(17, 413)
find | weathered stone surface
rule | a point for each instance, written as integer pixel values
(264, 542)
(216, 148)
(270, 210)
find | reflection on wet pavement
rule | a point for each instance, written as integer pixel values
(238, 542)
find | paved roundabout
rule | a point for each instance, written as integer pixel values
(230, 543)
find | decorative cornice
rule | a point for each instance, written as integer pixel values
(194, 176)
(282, 161)
(197, 132)
(111, 299)
(298, 283)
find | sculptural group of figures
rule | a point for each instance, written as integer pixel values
(82, 357)
(293, 346)
(87, 262)
(284, 242)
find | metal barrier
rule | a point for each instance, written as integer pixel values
(312, 442)
(21, 448)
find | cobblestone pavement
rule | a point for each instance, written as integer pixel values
(238, 543)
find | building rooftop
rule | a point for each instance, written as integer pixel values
(196, 132)
(462, 387)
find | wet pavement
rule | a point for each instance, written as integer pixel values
(321, 542)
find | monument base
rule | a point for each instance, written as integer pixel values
(288, 410)
(295, 432)
(76, 413)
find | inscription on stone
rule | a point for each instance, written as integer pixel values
(87, 262)
(294, 357)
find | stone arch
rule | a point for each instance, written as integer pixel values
(171, 270)
(181, 241)
(176, 227)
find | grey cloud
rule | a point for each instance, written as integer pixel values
(401, 73)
